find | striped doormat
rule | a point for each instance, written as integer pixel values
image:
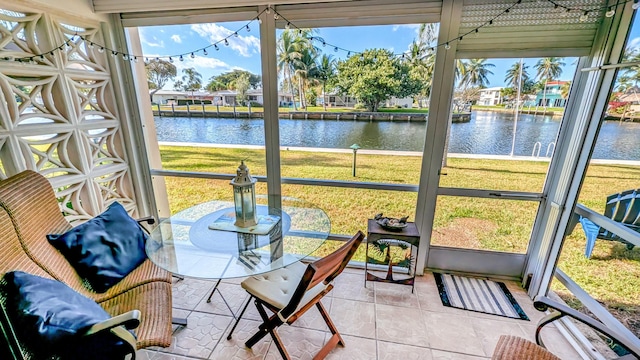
(476, 294)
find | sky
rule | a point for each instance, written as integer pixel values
(243, 51)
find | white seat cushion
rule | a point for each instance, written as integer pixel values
(277, 287)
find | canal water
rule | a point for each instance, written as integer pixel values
(487, 133)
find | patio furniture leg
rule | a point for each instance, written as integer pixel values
(239, 317)
(268, 327)
(215, 287)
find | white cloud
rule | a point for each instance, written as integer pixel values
(154, 42)
(176, 38)
(634, 43)
(244, 45)
(415, 27)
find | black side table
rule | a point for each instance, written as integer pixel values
(406, 238)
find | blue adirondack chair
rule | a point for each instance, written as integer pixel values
(623, 208)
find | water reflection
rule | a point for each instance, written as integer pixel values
(486, 133)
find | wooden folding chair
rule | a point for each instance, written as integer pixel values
(291, 291)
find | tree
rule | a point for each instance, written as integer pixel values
(191, 79)
(303, 68)
(511, 76)
(564, 89)
(242, 85)
(159, 72)
(476, 72)
(374, 76)
(288, 51)
(548, 69)
(228, 80)
(325, 71)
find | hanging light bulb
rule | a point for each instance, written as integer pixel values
(101, 49)
(135, 59)
(125, 57)
(635, 5)
(269, 9)
(216, 46)
(288, 26)
(584, 17)
(491, 22)
(447, 46)
(170, 59)
(248, 28)
(276, 16)
(236, 34)
(192, 55)
(226, 42)
(260, 21)
(181, 58)
(610, 13)
(90, 45)
(335, 49)
(146, 60)
(324, 44)
(204, 51)
(113, 54)
(348, 53)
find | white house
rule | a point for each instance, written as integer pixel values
(490, 96)
(228, 97)
(406, 103)
(175, 97)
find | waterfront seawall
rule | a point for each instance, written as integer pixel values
(461, 117)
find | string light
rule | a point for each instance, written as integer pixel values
(72, 42)
(635, 5)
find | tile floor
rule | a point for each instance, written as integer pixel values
(381, 321)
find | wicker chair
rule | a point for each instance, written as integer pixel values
(29, 211)
(516, 348)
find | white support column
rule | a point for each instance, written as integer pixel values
(270, 94)
(439, 112)
(576, 140)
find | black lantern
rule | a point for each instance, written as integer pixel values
(244, 197)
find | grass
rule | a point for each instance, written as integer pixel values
(612, 275)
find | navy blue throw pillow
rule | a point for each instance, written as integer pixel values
(50, 318)
(104, 249)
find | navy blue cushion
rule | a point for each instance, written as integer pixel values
(50, 317)
(104, 249)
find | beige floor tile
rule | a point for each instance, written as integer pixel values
(527, 306)
(351, 286)
(394, 351)
(401, 325)
(555, 342)
(396, 295)
(200, 335)
(490, 330)
(235, 296)
(355, 318)
(300, 343)
(356, 348)
(165, 356)
(235, 349)
(452, 332)
(145, 354)
(312, 318)
(188, 293)
(445, 355)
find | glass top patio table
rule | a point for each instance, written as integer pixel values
(185, 245)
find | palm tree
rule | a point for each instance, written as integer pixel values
(325, 69)
(476, 71)
(512, 74)
(548, 69)
(303, 69)
(288, 52)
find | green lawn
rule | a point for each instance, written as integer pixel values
(612, 275)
